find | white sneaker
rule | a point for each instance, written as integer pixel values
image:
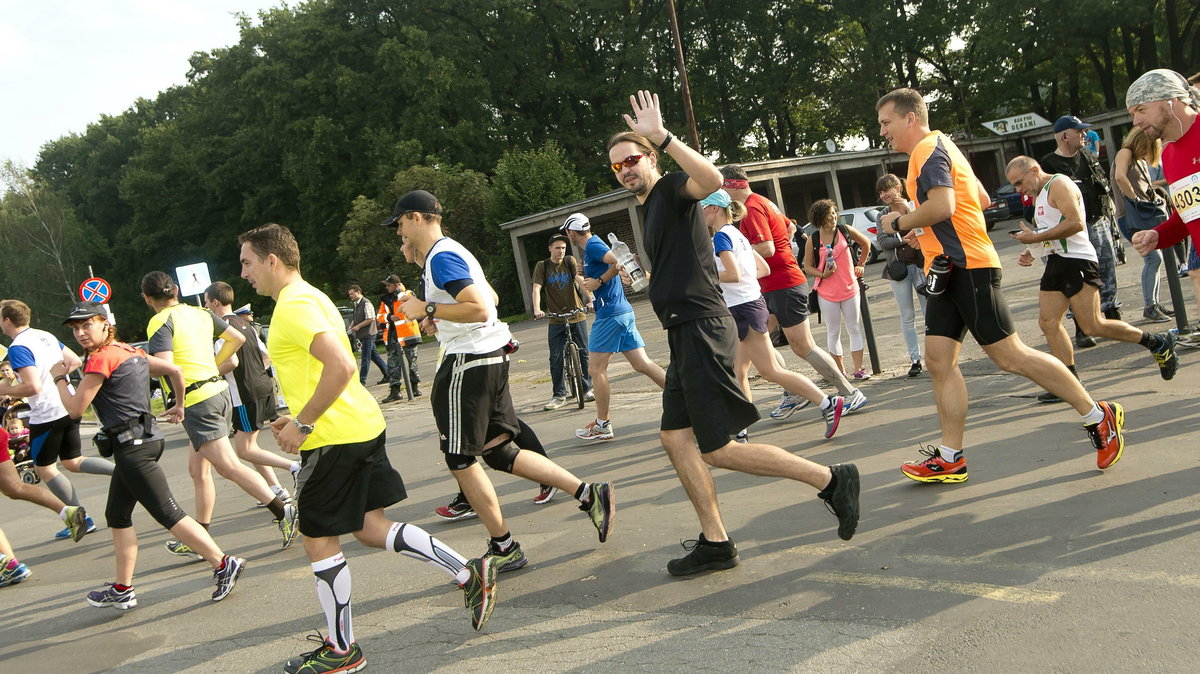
(855, 401)
(788, 404)
(595, 431)
(555, 403)
(589, 397)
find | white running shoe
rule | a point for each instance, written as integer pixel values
(595, 431)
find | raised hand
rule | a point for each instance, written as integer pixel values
(647, 116)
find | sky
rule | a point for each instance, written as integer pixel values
(64, 63)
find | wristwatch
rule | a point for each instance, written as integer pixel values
(430, 308)
(304, 428)
(896, 224)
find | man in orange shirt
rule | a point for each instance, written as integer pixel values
(948, 223)
(401, 336)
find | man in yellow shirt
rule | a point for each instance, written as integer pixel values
(346, 479)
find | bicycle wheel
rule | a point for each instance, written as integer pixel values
(574, 372)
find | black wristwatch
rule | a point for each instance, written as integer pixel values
(304, 428)
(430, 308)
(896, 224)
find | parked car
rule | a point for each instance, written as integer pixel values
(1006, 205)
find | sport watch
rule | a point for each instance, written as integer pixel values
(430, 308)
(304, 428)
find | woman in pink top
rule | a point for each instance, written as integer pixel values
(836, 281)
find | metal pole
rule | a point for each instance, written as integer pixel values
(405, 372)
(687, 92)
(868, 331)
(1177, 303)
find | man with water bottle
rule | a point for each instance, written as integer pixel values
(614, 330)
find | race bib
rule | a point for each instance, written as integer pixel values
(1044, 248)
(1185, 195)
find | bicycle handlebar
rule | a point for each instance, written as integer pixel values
(568, 314)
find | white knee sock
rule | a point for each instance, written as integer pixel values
(413, 541)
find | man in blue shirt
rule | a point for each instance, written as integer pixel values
(614, 330)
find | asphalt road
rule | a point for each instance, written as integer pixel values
(1041, 562)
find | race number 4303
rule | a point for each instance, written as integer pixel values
(1185, 195)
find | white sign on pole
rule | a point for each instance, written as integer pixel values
(1015, 124)
(193, 279)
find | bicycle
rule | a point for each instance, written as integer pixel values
(572, 368)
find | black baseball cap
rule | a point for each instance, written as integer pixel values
(392, 279)
(416, 201)
(560, 237)
(85, 310)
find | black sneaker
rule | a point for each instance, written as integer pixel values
(704, 556)
(1165, 356)
(915, 370)
(843, 500)
(1082, 341)
(1113, 314)
(1048, 397)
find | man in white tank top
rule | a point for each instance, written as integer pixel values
(1072, 277)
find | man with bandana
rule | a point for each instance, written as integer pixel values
(1164, 105)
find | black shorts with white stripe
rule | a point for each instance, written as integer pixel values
(471, 402)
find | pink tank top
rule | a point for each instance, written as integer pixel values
(841, 285)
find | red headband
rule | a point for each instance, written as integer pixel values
(735, 184)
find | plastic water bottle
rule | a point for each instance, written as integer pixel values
(830, 265)
(629, 263)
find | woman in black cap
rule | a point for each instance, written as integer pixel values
(115, 382)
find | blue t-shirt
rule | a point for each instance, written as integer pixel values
(609, 298)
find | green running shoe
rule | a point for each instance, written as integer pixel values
(181, 549)
(601, 507)
(507, 561)
(480, 590)
(288, 526)
(325, 659)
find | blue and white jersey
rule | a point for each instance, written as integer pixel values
(730, 238)
(40, 350)
(449, 268)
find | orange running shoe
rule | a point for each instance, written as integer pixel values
(935, 468)
(1106, 436)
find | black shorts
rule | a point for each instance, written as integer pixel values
(339, 484)
(1068, 275)
(471, 402)
(54, 441)
(789, 306)
(971, 302)
(702, 392)
(749, 316)
(254, 415)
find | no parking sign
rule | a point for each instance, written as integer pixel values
(95, 289)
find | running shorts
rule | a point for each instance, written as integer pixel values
(54, 441)
(339, 484)
(1068, 275)
(471, 401)
(972, 302)
(615, 334)
(789, 306)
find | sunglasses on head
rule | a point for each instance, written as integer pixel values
(628, 162)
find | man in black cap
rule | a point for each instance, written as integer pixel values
(1071, 159)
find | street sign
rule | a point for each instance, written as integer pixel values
(193, 279)
(95, 290)
(1017, 123)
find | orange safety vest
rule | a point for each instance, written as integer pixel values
(405, 330)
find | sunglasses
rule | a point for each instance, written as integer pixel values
(628, 162)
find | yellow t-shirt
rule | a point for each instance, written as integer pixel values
(301, 313)
(189, 332)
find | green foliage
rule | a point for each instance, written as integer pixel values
(307, 118)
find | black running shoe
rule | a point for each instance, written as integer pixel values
(1165, 356)
(843, 500)
(704, 556)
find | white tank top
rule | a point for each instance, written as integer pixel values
(470, 338)
(1046, 217)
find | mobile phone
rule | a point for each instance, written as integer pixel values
(1015, 231)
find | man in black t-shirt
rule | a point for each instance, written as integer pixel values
(703, 404)
(1071, 159)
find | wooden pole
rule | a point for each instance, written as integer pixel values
(679, 64)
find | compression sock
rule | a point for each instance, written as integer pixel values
(276, 507)
(93, 466)
(527, 439)
(61, 487)
(333, 591)
(949, 455)
(413, 541)
(824, 364)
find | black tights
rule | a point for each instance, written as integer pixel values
(139, 479)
